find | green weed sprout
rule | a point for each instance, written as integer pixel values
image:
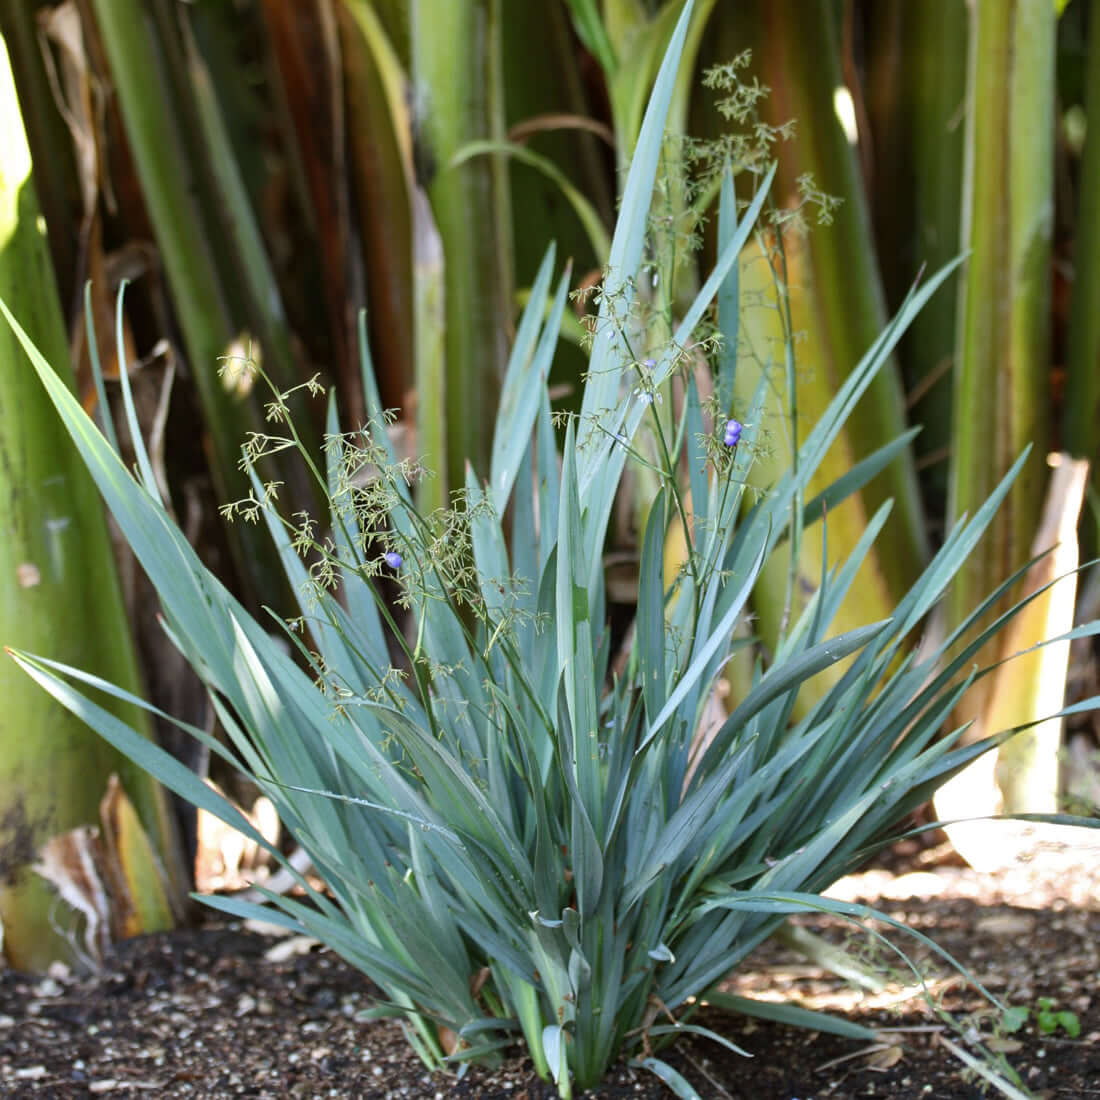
(1049, 1019)
(517, 838)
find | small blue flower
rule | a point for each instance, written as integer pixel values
(393, 559)
(733, 433)
(649, 363)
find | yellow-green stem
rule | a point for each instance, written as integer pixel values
(60, 595)
(1002, 358)
(1082, 419)
(459, 98)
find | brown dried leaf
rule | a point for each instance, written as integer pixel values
(478, 979)
(141, 899)
(71, 863)
(448, 1040)
(70, 81)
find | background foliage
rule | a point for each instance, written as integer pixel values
(261, 170)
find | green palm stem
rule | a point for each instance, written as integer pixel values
(545, 94)
(546, 97)
(168, 187)
(829, 282)
(247, 261)
(633, 35)
(393, 15)
(785, 587)
(680, 282)
(434, 379)
(244, 260)
(683, 282)
(623, 25)
(403, 258)
(457, 74)
(1002, 356)
(305, 47)
(916, 98)
(49, 138)
(376, 98)
(795, 53)
(60, 595)
(629, 30)
(1081, 433)
(637, 39)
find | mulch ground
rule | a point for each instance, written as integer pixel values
(220, 1011)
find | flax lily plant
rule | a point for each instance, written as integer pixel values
(520, 835)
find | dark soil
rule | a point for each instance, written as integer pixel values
(221, 1012)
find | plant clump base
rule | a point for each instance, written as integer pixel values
(286, 1028)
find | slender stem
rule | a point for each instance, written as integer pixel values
(61, 595)
(1083, 354)
(1002, 356)
(668, 473)
(782, 287)
(167, 175)
(457, 79)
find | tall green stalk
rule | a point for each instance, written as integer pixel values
(457, 75)
(376, 97)
(544, 87)
(1081, 429)
(916, 106)
(796, 54)
(48, 136)
(169, 188)
(247, 260)
(1002, 357)
(59, 592)
(403, 252)
(809, 312)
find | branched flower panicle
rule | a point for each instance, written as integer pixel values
(749, 149)
(277, 411)
(323, 572)
(443, 564)
(258, 445)
(386, 690)
(248, 508)
(752, 147)
(812, 197)
(560, 418)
